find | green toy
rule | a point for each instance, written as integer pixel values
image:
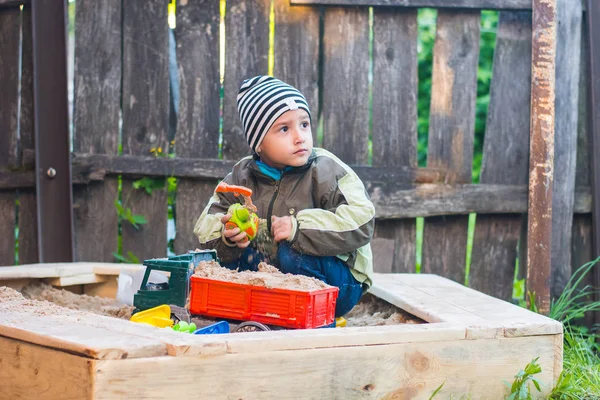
(242, 218)
(174, 292)
(184, 327)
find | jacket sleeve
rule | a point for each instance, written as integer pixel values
(209, 228)
(344, 222)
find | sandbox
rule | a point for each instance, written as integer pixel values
(471, 343)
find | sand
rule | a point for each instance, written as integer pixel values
(268, 276)
(82, 302)
(372, 311)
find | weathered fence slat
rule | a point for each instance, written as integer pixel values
(505, 154)
(582, 240)
(451, 131)
(593, 33)
(395, 77)
(246, 55)
(568, 56)
(145, 117)
(296, 51)
(27, 216)
(477, 4)
(96, 123)
(346, 88)
(541, 153)
(197, 135)
(10, 25)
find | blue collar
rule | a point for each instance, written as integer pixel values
(271, 171)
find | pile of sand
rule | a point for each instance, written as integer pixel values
(82, 302)
(13, 301)
(372, 311)
(267, 276)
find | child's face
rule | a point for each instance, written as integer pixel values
(288, 142)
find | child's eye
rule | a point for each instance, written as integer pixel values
(305, 125)
(284, 129)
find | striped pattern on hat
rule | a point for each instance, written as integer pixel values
(263, 99)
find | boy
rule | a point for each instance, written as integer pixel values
(316, 207)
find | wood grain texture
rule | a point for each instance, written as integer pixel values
(451, 130)
(197, 34)
(541, 153)
(582, 250)
(476, 4)
(246, 56)
(395, 122)
(10, 25)
(505, 154)
(96, 123)
(37, 372)
(397, 371)
(27, 211)
(568, 56)
(145, 118)
(296, 51)
(346, 86)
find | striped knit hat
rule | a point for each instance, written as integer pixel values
(263, 99)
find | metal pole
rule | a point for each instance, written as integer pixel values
(541, 159)
(593, 26)
(51, 120)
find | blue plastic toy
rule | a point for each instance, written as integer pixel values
(216, 328)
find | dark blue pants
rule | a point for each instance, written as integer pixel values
(330, 270)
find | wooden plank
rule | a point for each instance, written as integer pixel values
(197, 135)
(83, 279)
(541, 154)
(27, 211)
(12, 3)
(423, 305)
(406, 201)
(145, 118)
(476, 4)
(246, 55)
(10, 25)
(582, 250)
(96, 124)
(36, 372)
(51, 127)
(448, 301)
(297, 28)
(451, 130)
(98, 165)
(505, 154)
(410, 370)
(345, 94)
(48, 270)
(326, 338)
(395, 121)
(568, 56)
(77, 332)
(107, 289)
(593, 33)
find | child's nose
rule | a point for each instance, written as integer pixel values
(298, 136)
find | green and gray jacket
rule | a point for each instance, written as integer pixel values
(330, 209)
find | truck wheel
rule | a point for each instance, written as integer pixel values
(251, 326)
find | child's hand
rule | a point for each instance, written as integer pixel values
(234, 235)
(281, 228)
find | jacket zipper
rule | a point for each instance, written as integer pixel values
(270, 210)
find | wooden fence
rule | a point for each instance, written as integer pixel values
(122, 85)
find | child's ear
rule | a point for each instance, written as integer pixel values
(258, 150)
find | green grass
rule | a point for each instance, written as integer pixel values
(580, 378)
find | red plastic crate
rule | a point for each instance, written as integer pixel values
(281, 307)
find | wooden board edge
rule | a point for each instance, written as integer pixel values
(478, 368)
(37, 372)
(83, 279)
